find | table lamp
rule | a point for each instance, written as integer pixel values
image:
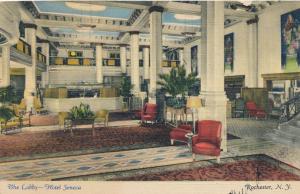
(193, 102)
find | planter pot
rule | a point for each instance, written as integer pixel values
(83, 121)
(176, 102)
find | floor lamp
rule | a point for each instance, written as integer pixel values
(193, 102)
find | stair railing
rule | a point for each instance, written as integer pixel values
(290, 109)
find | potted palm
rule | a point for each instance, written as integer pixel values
(6, 114)
(125, 89)
(176, 85)
(8, 95)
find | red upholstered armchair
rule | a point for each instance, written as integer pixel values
(149, 113)
(138, 113)
(255, 111)
(208, 139)
(178, 133)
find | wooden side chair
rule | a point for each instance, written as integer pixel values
(102, 117)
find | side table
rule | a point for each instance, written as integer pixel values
(189, 137)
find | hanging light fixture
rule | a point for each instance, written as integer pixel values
(246, 3)
(85, 6)
(186, 17)
(85, 27)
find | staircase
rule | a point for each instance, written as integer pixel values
(288, 131)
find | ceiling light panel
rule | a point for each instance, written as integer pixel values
(85, 6)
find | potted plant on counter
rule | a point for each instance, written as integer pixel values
(82, 114)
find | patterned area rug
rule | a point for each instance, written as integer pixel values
(249, 170)
(120, 116)
(54, 143)
(104, 140)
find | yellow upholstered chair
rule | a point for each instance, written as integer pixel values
(62, 116)
(37, 105)
(21, 114)
(14, 123)
(22, 105)
(102, 116)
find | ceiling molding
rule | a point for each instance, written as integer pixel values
(108, 26)
(66, 39)
(123, 4)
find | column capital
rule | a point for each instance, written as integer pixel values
(29, 25)
(99, 44)
(123, 45)
(134, 32)
(253, 20)
(156, 8)
(145, 46)
(43, 41)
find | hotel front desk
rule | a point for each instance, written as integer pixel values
(56, 105)
(64, 98)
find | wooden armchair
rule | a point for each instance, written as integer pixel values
(102, 117)
(62, 121)
(38, 107)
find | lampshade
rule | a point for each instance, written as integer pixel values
(193, 102)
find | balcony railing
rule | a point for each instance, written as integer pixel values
(111, 62)
(23, 47)
(72, 61)
(40, 57)
(141, 63)
(170, 63)
(290, 109)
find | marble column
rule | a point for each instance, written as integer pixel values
(4, 67)
(155, 49)
(252, 76)
(45, 51)
(187, 59)
(123, 58)
(31, 72)
(181, 59)
(146, 60)
(212, 66)
(99, 63)
(134, 61)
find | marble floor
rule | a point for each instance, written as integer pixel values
(252, 142)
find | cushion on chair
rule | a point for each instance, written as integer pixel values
(181, 130)
(261, 114)
(178, 135)
(148, 117)
(206, 148)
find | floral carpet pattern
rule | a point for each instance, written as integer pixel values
(104, 139)
(249, 170)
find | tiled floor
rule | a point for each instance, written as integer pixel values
(55, 168)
